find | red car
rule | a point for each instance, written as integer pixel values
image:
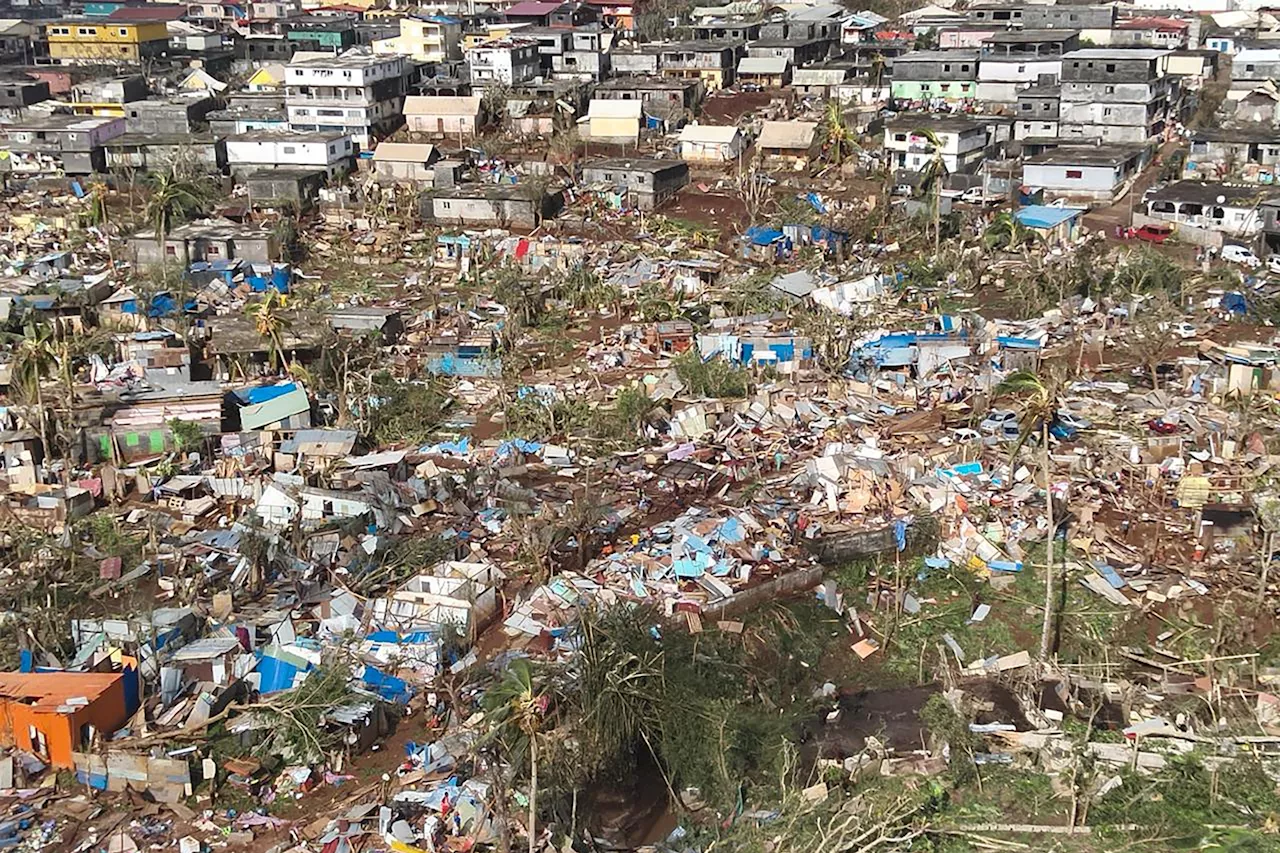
(1157, 425)
(1154, 233)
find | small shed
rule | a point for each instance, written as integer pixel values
(614, 121)
(1053, 224)
(708, 143)
(405, 161)
(788, 143)
(771, 72)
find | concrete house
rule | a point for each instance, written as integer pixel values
(963, 142)
(1250, 69)
(658, 94)
(566, 54)
(508, 61)
(354, 93)
(717, 30)
(1036, 112)
(1115, 94)
(715, 64)
(405, 161)
(790, 144)
(18, 92)
(425, 38)
(1011, 61)
(928, 75)
(205, 240)
(614, 121)
(1270, 211)
(1152, 31)
(72, 145)
(1093, 22)
(148, 151)
(798, 52)
(519, 206)
(247, 112)
(177, 114)
(456, 117)
(708, 143)
(1233, 210)
(769, 72)
(1085, 172)
(332, 153)
(642, 184)
(1248, 152)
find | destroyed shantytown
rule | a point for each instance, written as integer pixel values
(568, 427)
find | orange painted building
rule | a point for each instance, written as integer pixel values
(52, 714)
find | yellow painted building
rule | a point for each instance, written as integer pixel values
(72, 42)
(433, 38)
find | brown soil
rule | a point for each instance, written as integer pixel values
(724, 212)
(730, 106)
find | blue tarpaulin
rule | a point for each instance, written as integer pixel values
(275, 675)
(1235, 303)
(266, 393)
(387, 686)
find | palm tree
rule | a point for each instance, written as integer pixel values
(515, 709)
(932, 177)
(877, 69)
(836, 130)
(172, 200)
(36, 356)
(270, 326)
(1039, 407)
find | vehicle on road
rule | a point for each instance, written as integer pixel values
(1240, 255)
(1154, 233)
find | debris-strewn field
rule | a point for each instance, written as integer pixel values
(691, 430)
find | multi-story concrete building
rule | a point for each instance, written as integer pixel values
(507, 61)
(18, 92)
(333, 153)
(96, 42)
(1252, 68)
(314, 32)
(1015, 59)
(963, 142)
(714, 63)
(1036, 113)
(930, 75)
(69, 144)
(425, 38)
(354, 93)
(1115, 94)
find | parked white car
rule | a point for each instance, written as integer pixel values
(1240, 255)
(1273, 264)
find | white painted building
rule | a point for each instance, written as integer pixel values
(1001, 78)
(509, 61)
(251, 152)
(963, 142)
(355, 93)
(708, 143)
